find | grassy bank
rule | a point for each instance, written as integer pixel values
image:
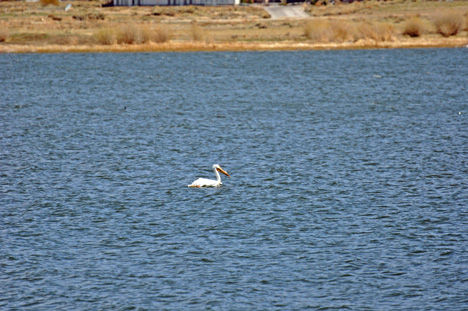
(89, 27)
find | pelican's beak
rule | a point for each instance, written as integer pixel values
(223, 171)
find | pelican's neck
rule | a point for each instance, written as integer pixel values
(218, 178)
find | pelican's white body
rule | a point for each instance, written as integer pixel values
(204, 182)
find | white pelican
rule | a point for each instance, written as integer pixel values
(203, 182)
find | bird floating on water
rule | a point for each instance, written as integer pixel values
(203, 182)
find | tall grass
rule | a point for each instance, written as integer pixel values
(329, 31)
(198, 34)
(414, 27)
(136, 34)
(4, 33)
(343, 31)
(145, 34)
(449, 23)
(105, 36)
(133, 34)
(129, 34)
(378, 32)
(161, 34)
(318, 30)
(466, 21)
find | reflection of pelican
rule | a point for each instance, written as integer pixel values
(203, 182)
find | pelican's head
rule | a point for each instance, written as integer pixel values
(219, 169)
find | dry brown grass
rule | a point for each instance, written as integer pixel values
(129, 34)
(342, 30)
(161, 34)
(339, 8)
(145, 34)
(318, 31)
(330, 31)
(378, 32)
(466, 21)
(414, 27)
(133, 34)
(4, 33)
(47, 2)
(449, 23)
(345, 31)
(137, 34)
(105, 36)
(199, 34)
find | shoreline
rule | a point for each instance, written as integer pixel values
(233, 47)
(90, 28)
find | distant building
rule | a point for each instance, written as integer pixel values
(172, 2)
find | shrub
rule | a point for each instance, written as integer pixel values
(333, 31)
(133, 34)
(318, 31)
(129, 34)
(95, 16)
(145, 34)
(466, 21)
(386, 31)
(47, 2)
(4, 33)
(341, 31)
(161, 34)
(449, 23)
(414, 27)
(168, 11)
(105, 36)
(377, 32)
(198, 34)
(265, 14)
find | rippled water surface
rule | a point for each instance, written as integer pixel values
(348, 188)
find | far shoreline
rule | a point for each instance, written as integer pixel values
(88, 27)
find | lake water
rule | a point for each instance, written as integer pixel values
(348, 188)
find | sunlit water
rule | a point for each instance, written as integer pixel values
(349, 187)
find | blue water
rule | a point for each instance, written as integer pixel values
(348, 188)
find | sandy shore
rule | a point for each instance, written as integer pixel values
(233, 47)
(456, 42)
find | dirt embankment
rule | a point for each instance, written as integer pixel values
(86, 26)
